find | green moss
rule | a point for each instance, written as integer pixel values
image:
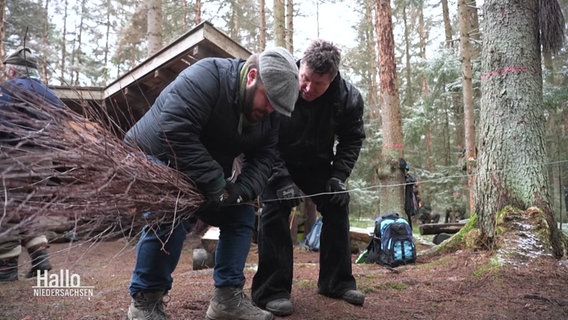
(458, 240)
(491, 268)
(391, 285)
(306, 283)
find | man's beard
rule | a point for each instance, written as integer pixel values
(247, 104)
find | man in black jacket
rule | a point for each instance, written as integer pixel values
(329, 110)
(215, 110)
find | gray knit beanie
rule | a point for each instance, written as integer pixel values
(22, 57)
(279, 73)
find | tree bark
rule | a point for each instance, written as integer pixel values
(279, 23)
(466, 53)
(389, 173)
(512, 158)
(197, 18)
(262, 26)
(373, 95)
(447, 24)
(154, 26)
(290, 25)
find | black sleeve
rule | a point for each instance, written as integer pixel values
(350, 134)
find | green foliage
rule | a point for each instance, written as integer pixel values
(25, 20)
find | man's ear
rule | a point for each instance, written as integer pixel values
(12, 72)
(252, 76)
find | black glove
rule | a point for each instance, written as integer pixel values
(213, 192)
(236, 193)
(340, 194)
(289, 195)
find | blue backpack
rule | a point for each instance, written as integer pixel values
(393, 243)
(312, 241)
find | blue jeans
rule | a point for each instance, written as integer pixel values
(159, 250)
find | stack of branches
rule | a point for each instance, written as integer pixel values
(56, 162)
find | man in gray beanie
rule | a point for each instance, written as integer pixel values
(214, 111)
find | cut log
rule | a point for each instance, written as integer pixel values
(360, 234)
(436, 228)
(210, 239)
(204, 258)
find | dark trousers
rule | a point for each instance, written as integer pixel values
(273, 280)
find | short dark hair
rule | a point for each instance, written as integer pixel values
(322, 57)
(252, 63)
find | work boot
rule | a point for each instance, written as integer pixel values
(354, 297)
(147, 306)
(281, 307)
(40, 261)
(230, 303)
(9, 269)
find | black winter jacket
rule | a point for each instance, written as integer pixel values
(307, 139)
(193, 127)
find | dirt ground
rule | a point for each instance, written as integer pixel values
(514, 282)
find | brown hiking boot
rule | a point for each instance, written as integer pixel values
(40, 262)
(9, 269)
(147, 306)
(230, 303)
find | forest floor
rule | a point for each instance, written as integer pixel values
(519, 280)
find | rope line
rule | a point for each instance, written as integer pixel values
(428, 181)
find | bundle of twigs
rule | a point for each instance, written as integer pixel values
(54, 161)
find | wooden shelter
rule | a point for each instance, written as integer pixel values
(127, 98)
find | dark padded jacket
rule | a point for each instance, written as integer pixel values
(193, 126)
(307, 139)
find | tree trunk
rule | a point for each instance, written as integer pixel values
(407, 44)
(262, 27)
(447, 24)
(512, 156)
(236, 14)
(465, 23)
(63, 43)
(154, 26)
(279, 23)
(197, 19)
(77, 55)
(473, 27)
(424, 87)
(290, 25)
(389, 173)
(44, 44)
(106, 74)
(2, 36)
(373, 99)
